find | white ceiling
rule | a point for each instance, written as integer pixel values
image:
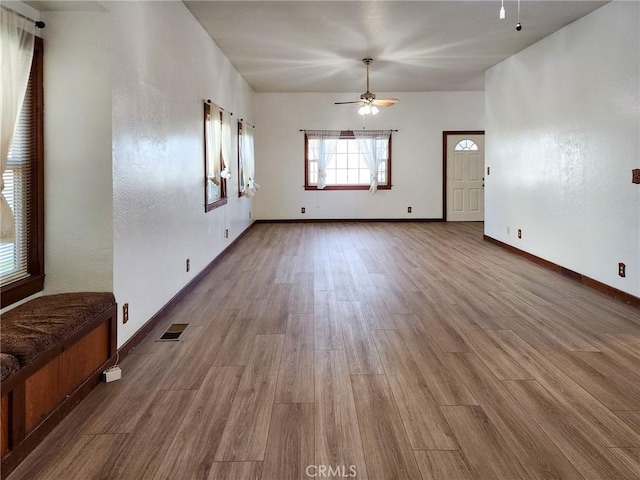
(318, 46)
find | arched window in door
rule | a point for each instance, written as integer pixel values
(466, 145)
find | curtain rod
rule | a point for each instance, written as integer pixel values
(252, 126)
(208, 100)
(348, 129)
(37, 23)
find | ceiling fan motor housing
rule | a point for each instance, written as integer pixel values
(368, 96)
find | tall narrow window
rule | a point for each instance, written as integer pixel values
(247, 185)
(22, 251)
(217, 148)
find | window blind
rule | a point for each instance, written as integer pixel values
(14, 257)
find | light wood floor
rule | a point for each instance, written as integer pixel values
(390, 350)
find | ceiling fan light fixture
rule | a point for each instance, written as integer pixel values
(374, 110)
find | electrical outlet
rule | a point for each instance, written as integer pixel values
(188, 265)
(519, 233)
(249, 215)
(408, 209)
(125, 313)
(622, 269)
(508, 230)
(226, 233)
(302, 210)
(635, 175)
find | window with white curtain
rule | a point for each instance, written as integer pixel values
(342, 162)
(22, 236)
(247, 185)
(217, 154)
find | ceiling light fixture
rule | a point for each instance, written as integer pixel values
(368, 110)
(502, 12)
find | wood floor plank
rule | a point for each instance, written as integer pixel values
(235, 471)
(361, 350)
(160, 422)
(591, 459)
(386, 447)
(274, 312)
(423, 422)
(614, 387)
(295, 376)
(605, 426)
(484, 448)
(444, 465)
(443, 334)
(539, 457)
(235, 349)
(291, 443)
(497, 360)
(91, 457)
(630, 457)
(194, 446)
(445, 386)
(631, 418)
(327, 323)
(301, 295)
(137, 387)
(338, 440)
(245, 434)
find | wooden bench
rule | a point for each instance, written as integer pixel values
(53, 351)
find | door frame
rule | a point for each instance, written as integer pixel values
(445, 139)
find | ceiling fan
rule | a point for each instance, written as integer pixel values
(368, 103)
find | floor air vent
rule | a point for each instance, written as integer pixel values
(174, 332)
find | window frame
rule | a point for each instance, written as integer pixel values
(34, 283)
(240, 159)
(222, 200)
(345, 134)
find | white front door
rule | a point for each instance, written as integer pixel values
(465, 178)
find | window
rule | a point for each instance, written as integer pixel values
(466, 145)
(22, 260)
(346, 168)
(240, 160)
(217, 153)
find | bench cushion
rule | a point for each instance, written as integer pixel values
(8, 365)
(32, 328)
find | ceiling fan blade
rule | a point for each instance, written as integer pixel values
(344, 103)
(385, 102)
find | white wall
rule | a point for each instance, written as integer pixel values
(563, 134)
(77, 125)
(164, 66)
(124, 91)
(417, 152)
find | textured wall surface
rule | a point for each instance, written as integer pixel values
(164, 66)
(420, 119)
(563, 134)
(77, 124)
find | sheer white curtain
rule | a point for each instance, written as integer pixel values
(327, 150)
(226, 146)
(16, 53)
(248, 162)
(214, 136)
(373, 145)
